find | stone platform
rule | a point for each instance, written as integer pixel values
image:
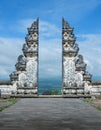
(50, 114)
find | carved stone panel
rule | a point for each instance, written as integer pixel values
(31, 68)
(69, 73)
(22, 80)
(79, 79)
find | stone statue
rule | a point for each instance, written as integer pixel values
(14, 76)
(21, 64)
(87, 76)
(80, 65)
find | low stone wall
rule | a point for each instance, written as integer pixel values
(6, 88)
(96, 88)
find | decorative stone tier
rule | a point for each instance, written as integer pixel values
(27, 91)
(73, 90)
(29, 51)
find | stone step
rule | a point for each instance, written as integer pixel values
(52, 96)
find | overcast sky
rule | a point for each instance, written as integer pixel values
(17, 15)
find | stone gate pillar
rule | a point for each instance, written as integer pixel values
(74, 72)
(26, 75)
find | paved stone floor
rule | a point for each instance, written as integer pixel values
(50, 114)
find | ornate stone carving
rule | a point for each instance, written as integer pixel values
(14, 76)
(66, 27)
(69, 51)
(69, 73)
(79, 79)
(31, 73)
(87, 76)
(28, 67)
(30, 51)
(21, 64)
(22, 80)
(30, 48)
(33, 28)
(80, 65)
(74, 68)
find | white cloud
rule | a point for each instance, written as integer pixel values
(55, 9)
(73, 9)
(50, 58)
(90, 48)
(10, 48)
(23, 24)
(48, 30)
